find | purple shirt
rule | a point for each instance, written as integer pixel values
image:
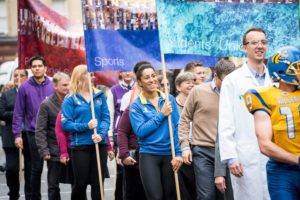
(30, 96)
(118, 91)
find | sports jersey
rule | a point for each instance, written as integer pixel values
(284, 109)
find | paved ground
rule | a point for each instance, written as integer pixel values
(65, 188)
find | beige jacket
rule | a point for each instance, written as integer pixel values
(201, 108)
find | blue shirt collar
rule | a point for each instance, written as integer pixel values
(213, 85)
(260, 78)
(255, 74)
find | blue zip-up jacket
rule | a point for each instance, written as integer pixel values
(76, 114)
(151, 126)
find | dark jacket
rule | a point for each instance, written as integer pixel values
(127, 139)
(45, 127)
(29, 97)
(7, 104)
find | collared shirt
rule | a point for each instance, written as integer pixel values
(260, 78)
(213, 85)
(126, 86)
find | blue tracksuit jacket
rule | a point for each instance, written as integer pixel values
(151, 126)
(76, 113)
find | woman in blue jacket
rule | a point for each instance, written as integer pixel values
(149, 119)
(77, 119)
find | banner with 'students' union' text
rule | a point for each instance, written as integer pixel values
(215, 28)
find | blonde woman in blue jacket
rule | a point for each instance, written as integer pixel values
(77, 119)
(149, 119)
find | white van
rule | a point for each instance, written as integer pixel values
(7, 71)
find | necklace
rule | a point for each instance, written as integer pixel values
(179, 101)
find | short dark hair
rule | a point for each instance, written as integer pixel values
(257, 29)
(138, 64)
(37, 58)
(224, 67)
(141, 69)
(191, 66)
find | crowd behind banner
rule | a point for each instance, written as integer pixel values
(217, 141)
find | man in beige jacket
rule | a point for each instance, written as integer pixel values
(202, 108)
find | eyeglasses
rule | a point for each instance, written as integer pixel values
(255, 42)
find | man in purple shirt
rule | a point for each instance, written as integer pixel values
(29, 97)
(114, 98)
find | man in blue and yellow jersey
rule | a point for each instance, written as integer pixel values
(277, 123)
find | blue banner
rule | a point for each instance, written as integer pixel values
(121, 50)
(119, 34)
(216, 28)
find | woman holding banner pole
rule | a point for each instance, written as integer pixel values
(148, 116)
(77, 119)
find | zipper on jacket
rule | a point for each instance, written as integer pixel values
(157, 110)
(153, 106)
(76, 139)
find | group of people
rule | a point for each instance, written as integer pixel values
(224, 129)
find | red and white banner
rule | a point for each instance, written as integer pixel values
(42, 31)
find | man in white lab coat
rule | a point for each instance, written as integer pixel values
(238, 143)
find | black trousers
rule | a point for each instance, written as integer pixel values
(157, 177)
(37, 164)
(120, 183)
(84, 162)
(134, 186)
(53, 177)
(12, 172)
(187, 183)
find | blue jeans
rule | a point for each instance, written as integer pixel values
(283, 180)
(36, 167)
(204, 166)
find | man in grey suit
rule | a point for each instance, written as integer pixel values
(222, 175)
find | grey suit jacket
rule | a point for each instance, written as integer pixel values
(221, 169)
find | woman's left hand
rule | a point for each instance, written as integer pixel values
(176, 163)
(96, 138)
(111, 155)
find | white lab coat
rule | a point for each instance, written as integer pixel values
(237, 135)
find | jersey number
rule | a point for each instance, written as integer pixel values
(287, 111)
(249, 102)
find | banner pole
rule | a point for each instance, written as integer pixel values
(20, 150)
(170, 123)
(115, 178)
(95, 132)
